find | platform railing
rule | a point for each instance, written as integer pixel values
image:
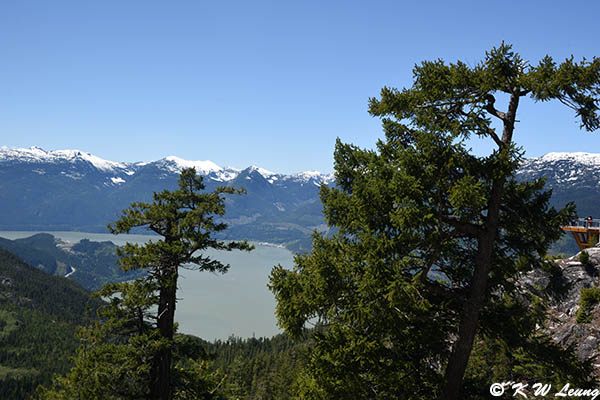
(584, 223)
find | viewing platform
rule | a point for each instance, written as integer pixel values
(585, 231)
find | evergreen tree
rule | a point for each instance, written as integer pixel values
(430, 238)
(132, 351)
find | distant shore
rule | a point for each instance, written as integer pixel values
(279, 246)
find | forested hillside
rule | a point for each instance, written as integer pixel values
(38, 319)
(92, 264)
(39, 315)
(260, 368)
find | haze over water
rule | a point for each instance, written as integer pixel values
(214, 306)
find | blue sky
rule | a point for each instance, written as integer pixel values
(253, 82)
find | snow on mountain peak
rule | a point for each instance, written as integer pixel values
(264, 172)
(315, 176)
(37, 154)
(308, 175)
(97, 162)
(202, 167)
(171, 164)
(592, 159)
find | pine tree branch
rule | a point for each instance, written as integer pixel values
(496, 139)
(465, 228)
(489, 107)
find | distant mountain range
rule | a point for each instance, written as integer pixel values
(75, 190)
(572, 177)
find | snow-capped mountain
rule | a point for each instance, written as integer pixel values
(75, 190)
(38, 155)
(573, 177)
(171, 164)
(564, 170)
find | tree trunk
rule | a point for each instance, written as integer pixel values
(469, 320)
(161, 384)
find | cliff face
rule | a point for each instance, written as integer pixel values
(565, 283)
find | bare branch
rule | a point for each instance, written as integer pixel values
(489, 107)
(496, 139)
(465, 228)
(444, 292)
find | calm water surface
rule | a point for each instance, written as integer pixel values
(214, 306)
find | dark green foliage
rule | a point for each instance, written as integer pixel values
(587, 300)
(262, 368)
(584, 259)
(36, 290)
(557, 287)
(132, 350)
(592, 239)
(38, 319)
(38, 250)
(430, 238)
(533, 361)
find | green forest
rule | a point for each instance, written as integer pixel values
(39, 316)
(415, 295)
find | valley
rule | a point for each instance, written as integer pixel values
(211, 306)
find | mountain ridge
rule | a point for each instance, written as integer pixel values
(171, 163)
(208, 168)
(74, 190)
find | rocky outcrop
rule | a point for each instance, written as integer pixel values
(564, 283)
